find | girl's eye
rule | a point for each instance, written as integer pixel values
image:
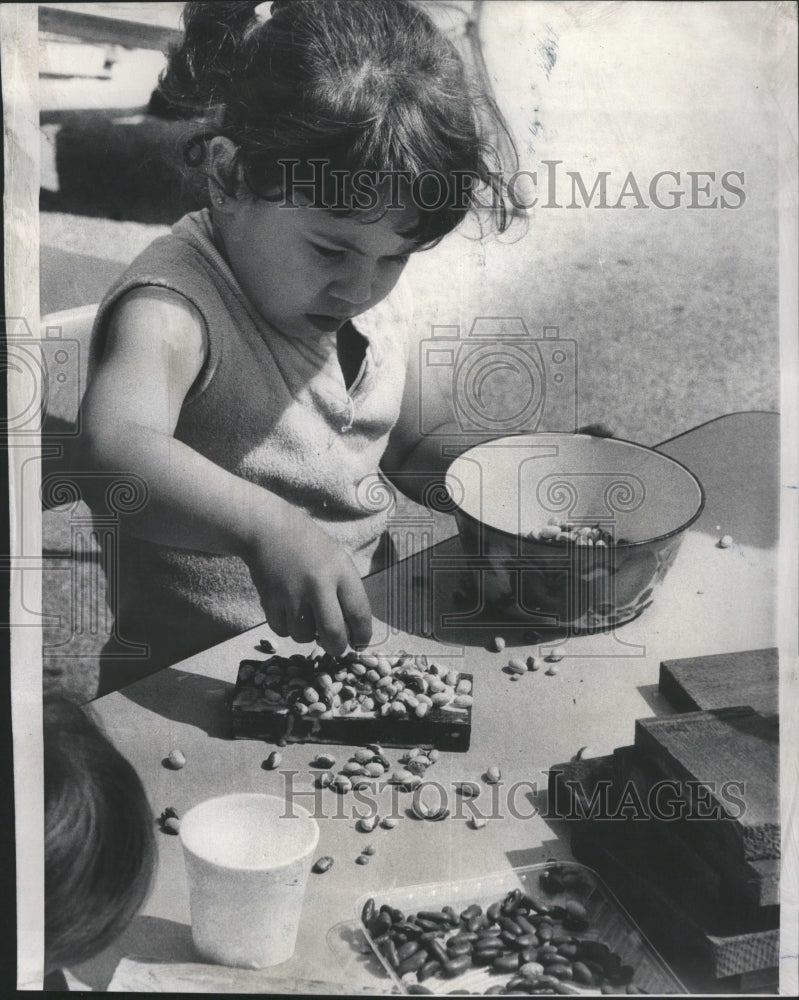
(329, 253)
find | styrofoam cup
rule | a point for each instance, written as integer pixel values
(247, 862)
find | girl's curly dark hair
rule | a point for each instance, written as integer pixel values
(362, 85)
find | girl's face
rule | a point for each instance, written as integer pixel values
(308, 271)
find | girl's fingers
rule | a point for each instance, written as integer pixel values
(277, 622)
(331, 631)
(305, 627)
(357, 611)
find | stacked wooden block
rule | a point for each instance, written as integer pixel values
(684, 825)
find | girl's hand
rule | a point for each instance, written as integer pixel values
(308, 585)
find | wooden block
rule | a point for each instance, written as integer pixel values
(725, 680)
(762, 881)
(572, 788)
(742, 953)
(747, 885)
(760, 979)
(673, 928)
(734, 752)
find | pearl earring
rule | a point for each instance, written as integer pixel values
(220, 200)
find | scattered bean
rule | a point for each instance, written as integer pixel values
(468, 789)
(323, 865)
(497, 644)
(725, 541)
(516, 667)
(477, 822)
(367, 823)
(341, 783)
(551, 671)
(172, 824)
(272, 761)
(362, 859)
(389, 823)
(533, 663)
(433, 813)
(175, 760)
(324, 760)
(554, 657)
(492, 775)
(418, 765)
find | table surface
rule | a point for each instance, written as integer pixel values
(712, 601)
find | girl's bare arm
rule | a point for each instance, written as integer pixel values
(153, 353)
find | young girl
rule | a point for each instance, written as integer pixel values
(251, 366)
(98, 841)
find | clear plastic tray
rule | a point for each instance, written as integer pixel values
(608, 923)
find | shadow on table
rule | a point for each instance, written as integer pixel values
(154, 937)
(191, 699)
(549, 850)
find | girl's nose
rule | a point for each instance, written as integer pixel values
(355, 287)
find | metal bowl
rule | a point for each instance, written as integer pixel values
(504, 491)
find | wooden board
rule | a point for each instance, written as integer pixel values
(743, 885)
(672, 928)
(701, 683)
(740, 896)
(716, 749)
(572, 786)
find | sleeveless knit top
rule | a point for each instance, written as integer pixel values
(272, 410)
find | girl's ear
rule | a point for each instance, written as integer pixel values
(224, 179)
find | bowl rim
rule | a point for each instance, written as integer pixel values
(460, 512)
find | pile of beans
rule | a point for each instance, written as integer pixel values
(357, 684)
(536, 946)
(564, 532)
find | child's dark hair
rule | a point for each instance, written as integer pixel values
(363, 85)
(98, 841)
